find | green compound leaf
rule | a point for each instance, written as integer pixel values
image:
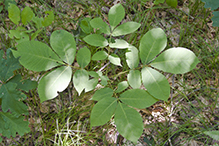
(215, 18)
(36, 56)
(213, 4)
(126, 28)
(96, 40)
(128, 122)
(115, 15)
(100, 55)
(83, 57)
(176, 60)
(63, 43)
(172, 3)
(102, 93)
(10, 125)
(80, 80)
(8, 65)
(151, 44)
(114, 59)
(134, 79)
(213, 134)
(54, 82)
(91, 84)
(132, 58)
(48, 19)
(85, 25)
(12, 99)
(155, 83)
(26, 15)
(122, 86)
(137, 98)
(98, 23)
(119, 44)
(14, 13)
(102, 111)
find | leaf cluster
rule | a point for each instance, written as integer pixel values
(144, 64)
(27, 16)
(11, 97)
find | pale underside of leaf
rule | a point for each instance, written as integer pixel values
(155, 83)
(132, 57)
(151, 44)
(63, 43)
(176, 60)
(119, 44)
(114, 59)
(80, 80)
(134, 79)
(54, 82)
(126, 28)
(115, 15)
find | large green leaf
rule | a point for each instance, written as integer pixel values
(122, 86)
(91, 84)
(102, 93)
(80, 80)
(215, 18)
(176, 60)
(126, 28)
(7, 65)
(132, 58)
(26, 15)
(213, 134)
(213, 4)
(155, 83)
(54, 82)
(102, 111)
(12, 99)
(119, 44)
(83, 57)
(48, 19)
(98, 23)
(137, 98)
(36, 56)
(115, 15)
(96, 40)
(114, 59)
(10, 125)
(151, 44)
(14, 13)
(134, 79)
(100, 55)
(63, 43)
(128, 122)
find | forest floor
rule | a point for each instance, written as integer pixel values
(192, 108)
